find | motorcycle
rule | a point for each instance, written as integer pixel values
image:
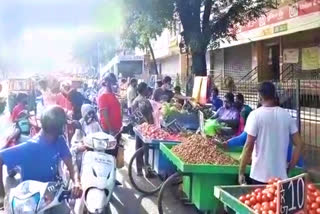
(98, 172)
(33, 197)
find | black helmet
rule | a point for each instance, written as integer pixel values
(53, 120)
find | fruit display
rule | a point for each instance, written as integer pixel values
(199, 150)
(153, 132)
(313, 199)
(265, 200)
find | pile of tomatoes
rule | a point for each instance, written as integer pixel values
(263, 201)
(153, 132)
(313, 199)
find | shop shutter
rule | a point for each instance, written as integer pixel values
(237, 61)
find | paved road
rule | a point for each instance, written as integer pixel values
(131, 202)
(127, 200)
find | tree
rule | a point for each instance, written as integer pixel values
(95, 51)
(140, 30)
(205, 22)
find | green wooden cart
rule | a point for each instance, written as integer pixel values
(199, 180)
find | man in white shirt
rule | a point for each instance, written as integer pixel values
(269, 128)
(132, 93)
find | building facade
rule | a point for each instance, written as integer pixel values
(286, 37)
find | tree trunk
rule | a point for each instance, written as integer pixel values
(153, 58)
(199, 65)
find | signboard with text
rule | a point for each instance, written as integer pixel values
(292, 195)
(297, 9)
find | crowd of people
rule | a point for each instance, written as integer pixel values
(265, 133)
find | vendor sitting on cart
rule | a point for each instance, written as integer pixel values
(228, 114)
(269, 129)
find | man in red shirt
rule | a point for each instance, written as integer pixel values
(109, 108)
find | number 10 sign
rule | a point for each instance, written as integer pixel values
(292, 195)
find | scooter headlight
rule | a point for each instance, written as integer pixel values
(103, 144)
(25, 206)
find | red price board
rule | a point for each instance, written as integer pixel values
(292, 195)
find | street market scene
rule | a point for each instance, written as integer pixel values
(160, 107)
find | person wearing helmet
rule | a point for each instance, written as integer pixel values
(39, 157)
(109, 107)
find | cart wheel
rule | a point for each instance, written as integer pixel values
(145, 185)
(172, 180)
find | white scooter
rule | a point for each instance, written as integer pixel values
(33, 197)
(98, 172)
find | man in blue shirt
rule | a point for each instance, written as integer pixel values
(39, 158)
(216, 101)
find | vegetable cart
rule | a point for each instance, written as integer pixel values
(199, 180)
(161, 167)
(229, 195)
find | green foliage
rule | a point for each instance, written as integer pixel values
(205, 22)
(142, 25)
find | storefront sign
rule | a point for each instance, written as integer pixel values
(310, 58)
(291, 55)
(300, 8)
(280, 28)
(292, 195)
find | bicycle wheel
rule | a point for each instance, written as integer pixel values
(173, 180)
(144, 184)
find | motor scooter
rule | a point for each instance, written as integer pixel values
(98, 173)
(34, 197)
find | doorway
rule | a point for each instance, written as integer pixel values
(274, 62)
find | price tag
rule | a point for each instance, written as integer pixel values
(292, 195)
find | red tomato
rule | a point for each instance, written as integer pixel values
(311, 187)
(270, 212)
(271, 181)
(311, 212)
(257, 206)
(258, 198)
(272, 190)
(318, 199)
(272, 206)
(248, 196)
(264, 198)
(318, 210)
(265, 206)
(314, 206)
(247, 202)
(253, 201)
(242, 198)
(275, 201)
(270, 196)
(316, 194)
(258, 190)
